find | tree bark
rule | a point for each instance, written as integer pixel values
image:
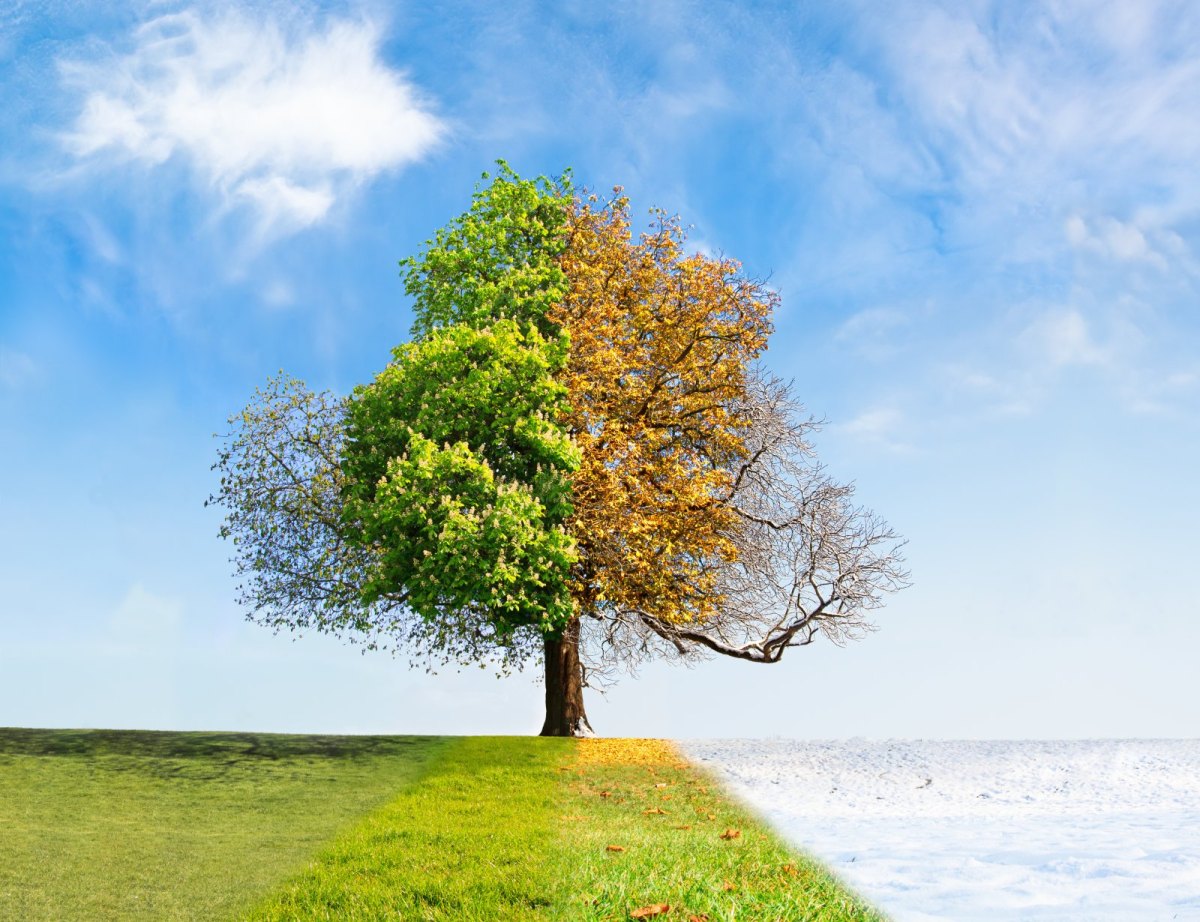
(565, 715)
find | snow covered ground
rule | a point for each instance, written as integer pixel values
(1079, 830)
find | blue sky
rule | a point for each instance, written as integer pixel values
(983, 220)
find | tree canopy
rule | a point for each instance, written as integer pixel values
(578, 455)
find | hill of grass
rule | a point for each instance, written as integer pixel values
(142, 825)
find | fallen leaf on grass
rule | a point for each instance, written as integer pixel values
(727, 885)
(615, 848)
(655, 811)
(606, 793)
(703, 917)
(645, 912)
(662, 784)
(790, 869)
(683, 827)
(729, 834)
(712, 816)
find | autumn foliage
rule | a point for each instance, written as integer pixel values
(661, 341)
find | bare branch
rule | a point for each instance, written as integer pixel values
(809, 561)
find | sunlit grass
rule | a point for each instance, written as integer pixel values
(473, 841)
(124, 825)
(683, 843)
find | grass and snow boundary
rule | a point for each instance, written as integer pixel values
(140, 825)
(1038, 830)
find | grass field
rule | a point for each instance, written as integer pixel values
(133, 825)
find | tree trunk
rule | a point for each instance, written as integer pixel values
(564, 686)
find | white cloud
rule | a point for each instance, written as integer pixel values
(1116, 240)
(279, 116)
(1072, 91)
(1063, 338)
(880, 426)
(282, 202)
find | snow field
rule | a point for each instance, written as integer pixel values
(1100, 830)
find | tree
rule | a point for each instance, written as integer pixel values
(577, 456)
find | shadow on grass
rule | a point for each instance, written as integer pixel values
(166, 753)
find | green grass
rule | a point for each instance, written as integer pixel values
(138, 825)
(474, 841)
(678, 857)
(106, 825)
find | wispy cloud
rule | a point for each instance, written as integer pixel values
(873, 332)
(1051, 149)
(16, 368)
(1050, 93)
(280, 117)
(1110, 238)
(144, 619)
(880, 427)
(1064, 338)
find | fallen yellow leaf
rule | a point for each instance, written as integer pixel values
(615, 848)
(731, 834)
(645, 912)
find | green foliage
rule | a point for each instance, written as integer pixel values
(426, 511)
(281, 484)
(492, 389)
(499, 260)
(457, 468)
